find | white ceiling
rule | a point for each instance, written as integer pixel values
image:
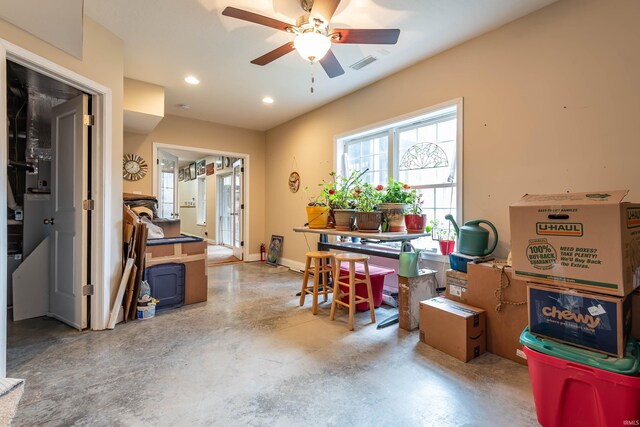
(165, 40)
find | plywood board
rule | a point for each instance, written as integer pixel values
(31, 284)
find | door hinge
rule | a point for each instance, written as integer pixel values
(242, 169)
(87, 290)
(242, 206)
(242, 244)
(88, 205)
(88, 120)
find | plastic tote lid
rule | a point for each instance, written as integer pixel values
(628, 365)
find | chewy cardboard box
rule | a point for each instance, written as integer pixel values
(493, 288)
(454, 328)
(588, 241)
(456, 286)
(584, 319)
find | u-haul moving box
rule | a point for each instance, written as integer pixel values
(588, 241)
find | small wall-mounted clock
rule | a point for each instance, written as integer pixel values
(133, 167)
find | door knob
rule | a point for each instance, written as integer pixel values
(49, 221)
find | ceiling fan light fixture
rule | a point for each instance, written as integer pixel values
(312, 46)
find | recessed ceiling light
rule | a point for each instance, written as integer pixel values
(267, 100)
(192, 80)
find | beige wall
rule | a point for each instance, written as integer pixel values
(550, 105)
(102, 62)
(211, 136)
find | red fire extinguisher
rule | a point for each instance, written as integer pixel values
(262, 252)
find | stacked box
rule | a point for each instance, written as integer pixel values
(585, 247)
(493, 288)
(453, 328)
(456, 286)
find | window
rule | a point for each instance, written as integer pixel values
(201, 205)
(424, 151)
(167, 191)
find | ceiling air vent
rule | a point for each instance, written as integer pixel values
(363, 62)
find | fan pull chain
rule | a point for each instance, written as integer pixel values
(313, 80)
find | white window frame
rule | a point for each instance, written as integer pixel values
(405, 122)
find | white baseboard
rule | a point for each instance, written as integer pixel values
(211, 242)
(293, 265)
(253, 257)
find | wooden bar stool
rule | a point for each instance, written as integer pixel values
(351, 258)
(322, 265)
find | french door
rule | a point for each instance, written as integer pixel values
(231, 209)
(167, 185)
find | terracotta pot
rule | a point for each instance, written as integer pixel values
(415, 223)
(394, 212)
(318, 216)
(345, 219)
(447, 246)
(368, 222)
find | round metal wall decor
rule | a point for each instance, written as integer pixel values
(294, 182)
(133, 167)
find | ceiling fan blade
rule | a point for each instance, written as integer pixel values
(274, 54)
(324, 9)
(255, 18)
(331, 65)
(343, 35)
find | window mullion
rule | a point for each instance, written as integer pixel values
(392, 140)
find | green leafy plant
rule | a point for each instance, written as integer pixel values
(440, 231)
(339, 191)
(397, 192)
(314, 200)
(367, 197)
(415, 205)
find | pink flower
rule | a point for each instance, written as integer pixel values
(379, 187)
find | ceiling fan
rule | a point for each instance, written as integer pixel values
(313, 37)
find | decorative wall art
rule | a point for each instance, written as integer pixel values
(133, 167)
(294, 182)
(200, 167)
(219, 163)
(192, 171)
(275, 249)
(210, 169)
(181, 174)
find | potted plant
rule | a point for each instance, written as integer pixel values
(415, 220)
(339, 195)
(444, 235)
(317, 212)
(368, 217)
(394, 202)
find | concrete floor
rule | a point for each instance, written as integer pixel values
(252, 356)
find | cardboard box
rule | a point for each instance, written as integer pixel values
(493, 288)
(454, 328)
(588, 241)
(456, 286)
(412, 290)
(593, 321)
(635, 315)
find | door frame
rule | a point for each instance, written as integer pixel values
(209, 152)
(102, 237)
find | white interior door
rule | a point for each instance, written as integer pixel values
(69, 263)
(238, 208)
(225, 187)
(167, 185)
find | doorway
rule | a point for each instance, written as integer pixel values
(205, 190)
(48, 182)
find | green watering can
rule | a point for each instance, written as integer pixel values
(409, 263)
(474, 240)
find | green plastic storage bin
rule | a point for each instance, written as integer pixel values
(628, 365)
